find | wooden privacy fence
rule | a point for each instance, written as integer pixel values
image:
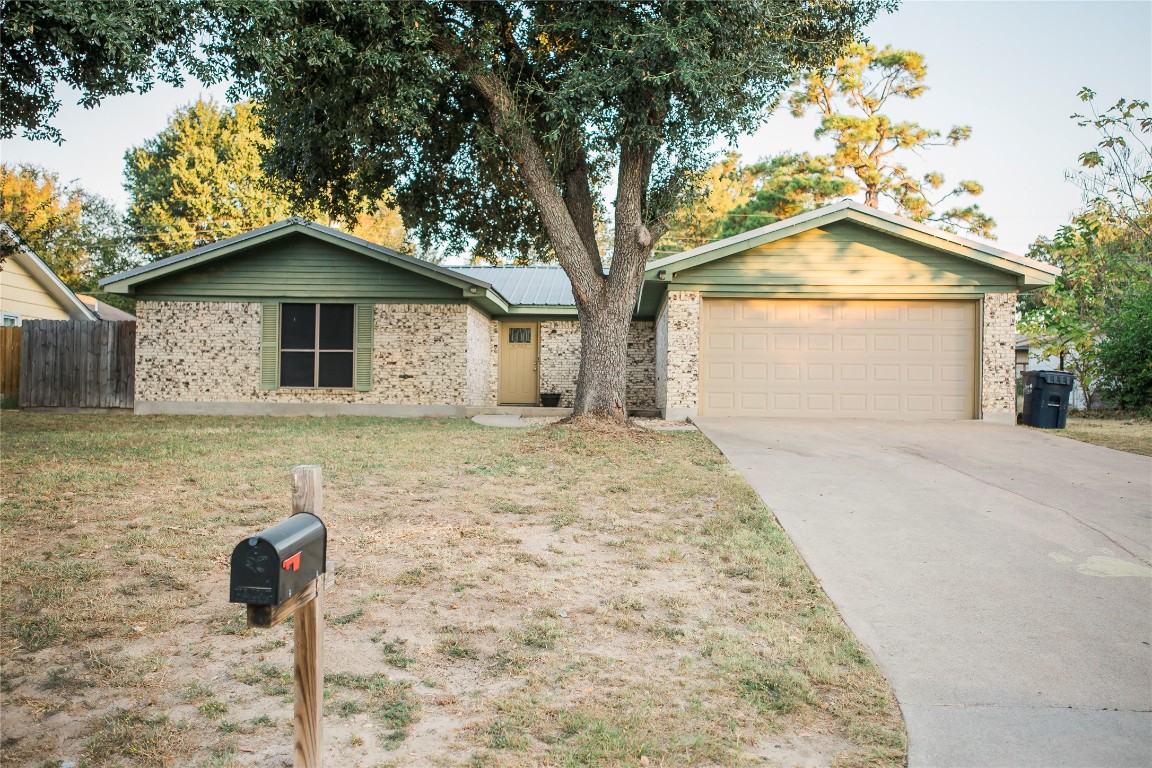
(77, 364)
(10, 361)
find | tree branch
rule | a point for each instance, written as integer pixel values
(584, 268)
(581, 208)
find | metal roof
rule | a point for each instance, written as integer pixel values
(533, 286)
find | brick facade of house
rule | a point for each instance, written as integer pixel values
(560, 362)
(998, 356)
(423, 355)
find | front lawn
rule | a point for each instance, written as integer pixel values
(1131, 434)
(548, 596)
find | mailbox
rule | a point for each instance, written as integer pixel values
(273, 565)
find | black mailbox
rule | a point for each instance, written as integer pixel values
(273, 565)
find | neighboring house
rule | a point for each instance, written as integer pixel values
(844, 311)
(29, 290)
(104, 310)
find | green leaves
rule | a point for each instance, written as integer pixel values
(100, 47)
(850, 95)
(78, 234)
(201, 179)
(1126, 354)
(1118, 170)
(371, 96)
(738, 198)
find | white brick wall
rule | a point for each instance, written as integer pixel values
(483, 363)
(560, 358)
(210, 352)
(998, 357)
(661, 357)
(560, 361)
(424, 354)
(679, 327)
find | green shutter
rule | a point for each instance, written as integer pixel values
(364, 320)
(269, 345)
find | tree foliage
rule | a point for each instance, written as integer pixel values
(1125, 353)
(99, 47)
(784, 186)
(78, 234)
(500, 124)
(1116, 175)
(200, 180)
(851, 96)
(726, 185)
(737, 198)
(1102, 266)
(1105, 252)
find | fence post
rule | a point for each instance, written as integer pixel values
(308, 719)
(10, 361)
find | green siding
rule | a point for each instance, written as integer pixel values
(363, 334)
(843, 259)
(269, 345)
(299, 267)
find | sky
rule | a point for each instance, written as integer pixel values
(1011, 70)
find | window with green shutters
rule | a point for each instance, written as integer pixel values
(316, 346)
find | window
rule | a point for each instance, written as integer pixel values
(10, 319)
(316, 345)
(519, 335)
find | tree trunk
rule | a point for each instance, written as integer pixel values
(604, 302)
(601, 388)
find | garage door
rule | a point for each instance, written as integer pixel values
(854, 359)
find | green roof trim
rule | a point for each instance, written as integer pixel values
(129, 282)
(1027, 273)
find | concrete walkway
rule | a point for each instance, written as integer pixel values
(1001, 576)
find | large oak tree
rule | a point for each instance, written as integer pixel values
(500, 125)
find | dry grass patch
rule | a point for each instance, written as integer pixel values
(1132, 434)
(552, 596)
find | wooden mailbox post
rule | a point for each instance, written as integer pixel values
(279, 573)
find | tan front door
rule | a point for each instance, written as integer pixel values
(519, 347)
(855, 359)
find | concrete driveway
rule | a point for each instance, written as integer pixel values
(1001, 576)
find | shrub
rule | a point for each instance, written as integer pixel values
(1125, 355)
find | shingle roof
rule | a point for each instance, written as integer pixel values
(534, 286)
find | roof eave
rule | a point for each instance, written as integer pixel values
(1034, 272)
(48, 279)
(126, 282)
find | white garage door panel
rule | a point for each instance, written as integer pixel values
(881, 359)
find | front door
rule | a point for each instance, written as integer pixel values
(519, 346)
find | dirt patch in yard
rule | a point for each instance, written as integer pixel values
(548, 596)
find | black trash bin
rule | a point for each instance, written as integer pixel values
(1046, 396)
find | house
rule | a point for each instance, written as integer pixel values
(844, 311)
(29, 290)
